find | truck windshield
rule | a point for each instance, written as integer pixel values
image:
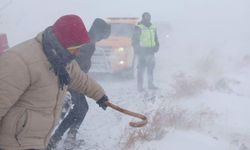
(122, 30)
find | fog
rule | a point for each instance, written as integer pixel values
(200, 21)
(202, 70)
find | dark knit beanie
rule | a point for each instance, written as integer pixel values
(70, 31)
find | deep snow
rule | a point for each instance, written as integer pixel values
(202, 104)
(202, 70)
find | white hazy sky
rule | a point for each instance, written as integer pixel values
(210, 43)
(22, 19)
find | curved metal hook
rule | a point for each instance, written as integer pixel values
(130, 113)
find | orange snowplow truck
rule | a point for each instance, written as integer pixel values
(115, 54)
(3, 42)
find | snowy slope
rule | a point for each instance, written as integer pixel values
(202, 70)
(201, 104)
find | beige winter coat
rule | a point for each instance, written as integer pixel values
(30, 98)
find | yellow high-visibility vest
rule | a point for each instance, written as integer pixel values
(147, 37)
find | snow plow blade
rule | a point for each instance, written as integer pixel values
(130, 113)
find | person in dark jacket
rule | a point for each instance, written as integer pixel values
(145, 43)
(98, 31)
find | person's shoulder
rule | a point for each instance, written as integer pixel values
(137, 27)
(11, 58)
(29, 51)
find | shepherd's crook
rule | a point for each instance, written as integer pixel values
(133, 124)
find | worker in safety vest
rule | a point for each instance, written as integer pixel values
(146, 44)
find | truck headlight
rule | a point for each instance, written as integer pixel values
(121, 62)
(121, 49)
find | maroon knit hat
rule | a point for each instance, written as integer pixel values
(70, 31)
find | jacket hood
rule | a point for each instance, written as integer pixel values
(99, 30)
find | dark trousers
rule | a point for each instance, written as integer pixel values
(145, 62)
(75, 116)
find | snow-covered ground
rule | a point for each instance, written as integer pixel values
(202, 70)
(203, 103)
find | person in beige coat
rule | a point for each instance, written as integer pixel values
(34, 78)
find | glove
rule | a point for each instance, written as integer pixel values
(101, 102)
